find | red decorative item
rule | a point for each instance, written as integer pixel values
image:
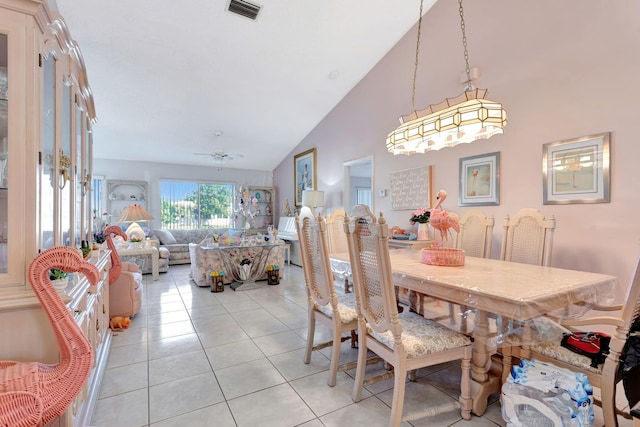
(594, 345)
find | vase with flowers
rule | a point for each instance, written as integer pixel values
(421, 217)
(99, 225)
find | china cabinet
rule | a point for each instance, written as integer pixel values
(121, 194)
(262, 199)
(46, 116)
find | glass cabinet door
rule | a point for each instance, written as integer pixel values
(48, 170)
(65, 178)
(77, 178)
(86, 175)
(4, 155)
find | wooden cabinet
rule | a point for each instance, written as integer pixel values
(121, 194)
(262, 199)
(91, 307)
(46, 115)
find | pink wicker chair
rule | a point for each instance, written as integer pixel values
(125, 280)
(32, 393)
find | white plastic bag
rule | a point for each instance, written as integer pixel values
(541, 394)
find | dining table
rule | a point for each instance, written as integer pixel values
(515, 291)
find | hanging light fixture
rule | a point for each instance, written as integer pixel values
(463, 119)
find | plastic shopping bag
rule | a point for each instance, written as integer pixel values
(541, 394)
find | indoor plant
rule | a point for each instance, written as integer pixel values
(421, 217)
(58, 278)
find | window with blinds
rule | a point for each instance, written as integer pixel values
(191, 205)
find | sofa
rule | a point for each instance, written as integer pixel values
(177, 241)
(205, 259)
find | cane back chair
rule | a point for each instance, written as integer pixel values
(325, 306)
(407, 341)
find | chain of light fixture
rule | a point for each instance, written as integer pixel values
(464, 45)
(415, 68)
(466, 118)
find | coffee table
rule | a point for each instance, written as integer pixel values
(130, 255)
(230, 260)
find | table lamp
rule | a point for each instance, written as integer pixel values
(134, 214)
(312, 199)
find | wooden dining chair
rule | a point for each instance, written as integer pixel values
(545, 346)
(337, 312)
(475, 237)
(407, 341)
(476, 234)
(337, 238)
(528, 238)
(335, 228)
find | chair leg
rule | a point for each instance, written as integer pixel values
(310, 336)
(335, 357)
(608, 393)
(361, 366)
(466, 403)
(507, 361)
(399, 383)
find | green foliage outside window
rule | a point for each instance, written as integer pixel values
(193, 205)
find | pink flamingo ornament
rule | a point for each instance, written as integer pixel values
(33, 393)
(442, 220)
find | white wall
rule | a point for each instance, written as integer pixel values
(561, 69)
(153, 173)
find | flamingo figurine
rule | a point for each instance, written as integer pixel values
(116, 264)
(32, 393)
(442, 220)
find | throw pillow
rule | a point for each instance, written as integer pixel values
(163, 253)
(165, 237)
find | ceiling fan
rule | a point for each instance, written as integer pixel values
(219, 156)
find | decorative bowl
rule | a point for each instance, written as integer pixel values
(442, 256)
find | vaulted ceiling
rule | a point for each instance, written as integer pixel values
(168, 75)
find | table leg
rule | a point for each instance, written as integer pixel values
(483, 382)
(154, 264)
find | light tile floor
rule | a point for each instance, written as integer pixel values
(194, 358)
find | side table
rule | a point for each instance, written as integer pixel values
(409, 244)
(150, 252)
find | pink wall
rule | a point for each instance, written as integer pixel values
(561, 70)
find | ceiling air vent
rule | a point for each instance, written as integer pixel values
(244, 9)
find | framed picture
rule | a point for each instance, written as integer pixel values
(480, 180)
(576, 170)
(304, 174)
(412, 188)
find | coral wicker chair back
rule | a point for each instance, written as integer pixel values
(528, 238)
(476, 233)
(335, 227)
(324, 304)
(30, 388)
(116, 264)
(407, 341)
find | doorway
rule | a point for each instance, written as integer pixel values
(358, 183)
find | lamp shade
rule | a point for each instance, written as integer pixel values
(134, 213)
(464, 119)
(312, 198)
